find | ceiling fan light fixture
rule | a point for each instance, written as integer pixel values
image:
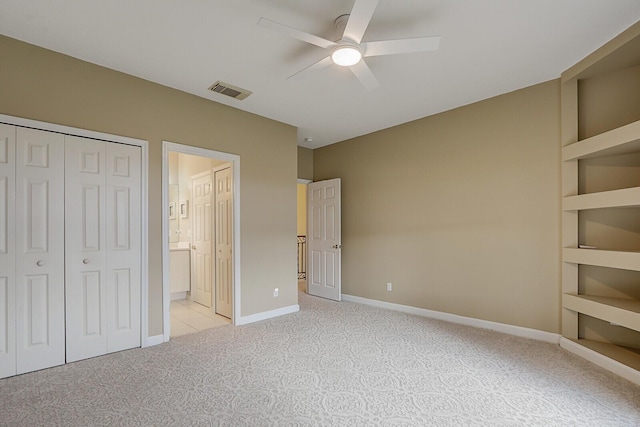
(346, 56)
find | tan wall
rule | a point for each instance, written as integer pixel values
(460, 211)
(302, 209)
(305, 163)
(43, 85)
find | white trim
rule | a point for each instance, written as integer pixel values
(601, 360)
(155, 340)
(268, 314)
(144, 200)
(304, 181)
(234, 161)
(67, 130)
(220, 168)
(504, 328)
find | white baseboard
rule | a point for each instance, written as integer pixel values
(178, 295)
(154, 340)
(518, 331)
(601, 360)
(244, 320)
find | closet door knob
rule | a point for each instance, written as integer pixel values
(40, 263)
(85, 261)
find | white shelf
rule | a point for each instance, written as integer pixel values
(611, 259)
(624, 312)
(585, 108)
(624, 198)
(622, 140)
(621, 354)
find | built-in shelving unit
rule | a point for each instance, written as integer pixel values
(627, 197)
(601, 205)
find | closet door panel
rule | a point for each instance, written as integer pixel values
(123, 246)
(39, 296)
(7, 251)
(86, 289)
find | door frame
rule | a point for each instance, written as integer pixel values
(145, 339)
(234, 161)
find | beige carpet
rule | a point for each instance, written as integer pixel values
(330, 364)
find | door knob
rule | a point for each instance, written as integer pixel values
(336, 246)
(193, 247)
(40, 263)
(85, 261)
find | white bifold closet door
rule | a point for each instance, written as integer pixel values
(102, 223)
(31, 250)
(39, 249)
(7, 251)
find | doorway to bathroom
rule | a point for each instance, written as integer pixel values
(199, 254)
(302, 233)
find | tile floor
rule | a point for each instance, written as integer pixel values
(188, 317)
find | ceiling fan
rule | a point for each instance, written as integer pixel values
(349, 50)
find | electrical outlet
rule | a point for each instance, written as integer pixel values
(275, 292)
(389, 286)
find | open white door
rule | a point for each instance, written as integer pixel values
(224, 229)
(324, 239)
(201, 274)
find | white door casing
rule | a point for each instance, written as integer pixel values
(7, 251)
(85, 254)
(124, 246)
(324, 239)
(223, 240)
(39, 250)
(201, 230)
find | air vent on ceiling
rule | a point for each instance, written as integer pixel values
(230, 90)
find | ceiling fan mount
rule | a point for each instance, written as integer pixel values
(349, 50)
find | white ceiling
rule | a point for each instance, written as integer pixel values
(487, 48)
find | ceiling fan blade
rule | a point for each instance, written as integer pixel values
(297, 34)
(364, 74)
(392, 47)
(359, 19)
(315, 66)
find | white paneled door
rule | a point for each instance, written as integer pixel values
(40, 340)
(223, 239)
(86, 291)
(324, 239)
(102, 247)
(124, 246)
(7, 251)
(202, 262)
(70, 248)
